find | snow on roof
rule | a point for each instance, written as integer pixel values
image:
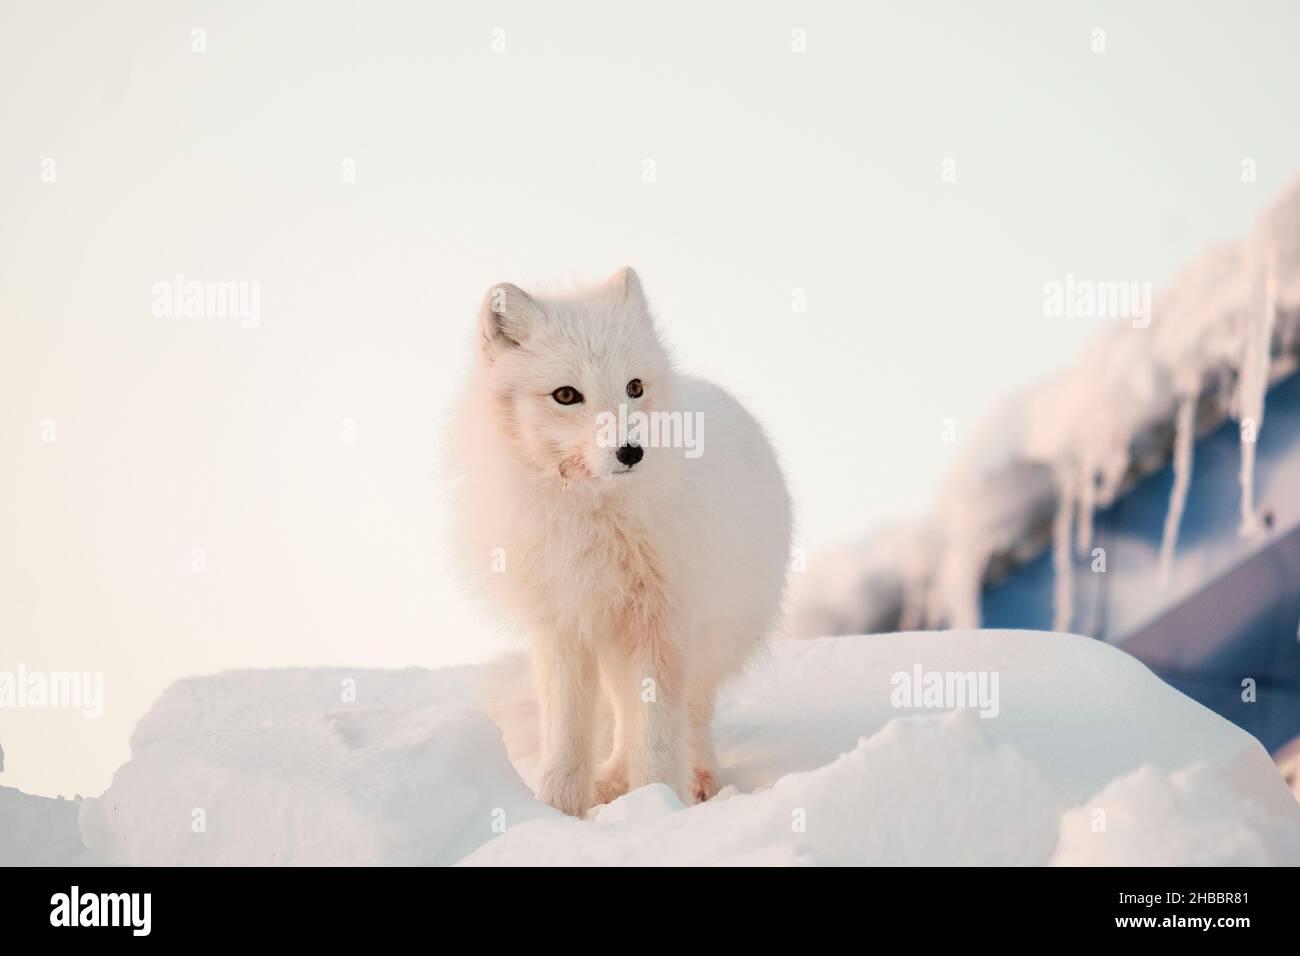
(1218, 337)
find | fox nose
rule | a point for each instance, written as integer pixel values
(630, 454)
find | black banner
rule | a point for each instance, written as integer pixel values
(338, 905)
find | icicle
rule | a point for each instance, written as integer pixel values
(963, 597)
(918, 571)
(960, 579)
(1087, 507)
(1184, 439)
(912, 614)
(1062, 561)
(1256, 360)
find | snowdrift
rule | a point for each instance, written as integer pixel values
(39, 831)
(1087, 758)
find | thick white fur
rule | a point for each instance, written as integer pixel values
(645, 588)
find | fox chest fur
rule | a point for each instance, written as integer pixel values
(594, 572)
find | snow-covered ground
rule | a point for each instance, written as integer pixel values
(1085, 758)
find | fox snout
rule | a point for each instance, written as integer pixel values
(629, 455)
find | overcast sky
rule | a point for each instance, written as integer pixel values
(845, 213)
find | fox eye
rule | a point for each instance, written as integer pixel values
(634, 389)
(567, 395)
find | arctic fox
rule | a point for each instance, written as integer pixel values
(644, 572)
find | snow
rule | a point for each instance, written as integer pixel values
(1187, 818)
(338, 766)
(285, 771)
(856, 809)
(1220, 335)
(39, 830)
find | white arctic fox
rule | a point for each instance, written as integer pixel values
(644, 572)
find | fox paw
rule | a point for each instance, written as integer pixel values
(565, 790)
(611, 784)
(705, 784)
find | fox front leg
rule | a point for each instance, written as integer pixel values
(567, 686)
(648, 690)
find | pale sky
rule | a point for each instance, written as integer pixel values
(130, 156)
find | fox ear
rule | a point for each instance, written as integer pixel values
(507, 314)
(625, 285)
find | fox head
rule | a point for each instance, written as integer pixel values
(563, 368)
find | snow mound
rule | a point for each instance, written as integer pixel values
(825, 762)
(274, 767)
(37, 831)
(886, 802)
(1189, 818)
